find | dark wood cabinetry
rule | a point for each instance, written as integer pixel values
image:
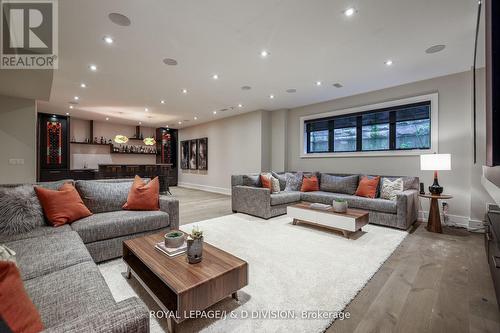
(492, 244)
(166, 147)
(53, 146)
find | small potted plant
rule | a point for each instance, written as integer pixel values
(339, 206)
(195, 246)
(174, 238)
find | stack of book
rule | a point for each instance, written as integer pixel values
(171, 251)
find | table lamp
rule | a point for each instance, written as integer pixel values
(435, 162)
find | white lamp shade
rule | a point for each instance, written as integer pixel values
(435, 162)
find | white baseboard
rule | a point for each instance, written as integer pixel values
(455, 221)
(213, 189)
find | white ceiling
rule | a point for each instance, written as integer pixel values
(308, 40)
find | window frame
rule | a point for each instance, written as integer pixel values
(434, 111)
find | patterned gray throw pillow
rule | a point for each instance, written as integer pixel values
(339, 184)
(390, 189)
(252, 180)
(293, 181)
(20, 210)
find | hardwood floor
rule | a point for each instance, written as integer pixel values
(195, 205)
(431, 283)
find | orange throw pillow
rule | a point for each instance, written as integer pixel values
(266, 182)
(16, 308)
(309, 184)
(63, 206)
(143, 196)
(368, 187)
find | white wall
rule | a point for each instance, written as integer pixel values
(93, 155)
(17, 139)
(279, 139)
(234, 147)
(455, 137)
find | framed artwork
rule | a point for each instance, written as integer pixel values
(184, 155)
(193, 154)
(203, 154)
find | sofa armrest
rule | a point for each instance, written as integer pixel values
(130, 315)
(407, 208)
(251, 200)
(170, 205)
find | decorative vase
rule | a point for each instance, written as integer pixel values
(195, 250)
(174, 239)
(339, 206)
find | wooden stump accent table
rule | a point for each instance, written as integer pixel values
(434, 221)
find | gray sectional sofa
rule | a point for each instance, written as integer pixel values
(58, 265)
(249, 198)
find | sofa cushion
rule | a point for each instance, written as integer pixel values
(252, 180)
(408, 182)
(37, 232)
(20, 210)
(338, 184)
(66, 294)
(119, 223)
(43, 255)
(281, 177)
(62, 206)
(143, 196)
(284, 198)
(368, 187)
(381, 205)
(102, 197)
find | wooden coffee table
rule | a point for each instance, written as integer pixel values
(348, 223)
(179, 287)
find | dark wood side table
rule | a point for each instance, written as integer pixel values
(434, 221)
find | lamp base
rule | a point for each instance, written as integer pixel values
(435, 188)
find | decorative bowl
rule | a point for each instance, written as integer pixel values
(174, 238)
(339, 206)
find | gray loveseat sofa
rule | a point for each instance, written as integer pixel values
(58, 266)
(249, 198)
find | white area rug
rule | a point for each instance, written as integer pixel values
(293, 268)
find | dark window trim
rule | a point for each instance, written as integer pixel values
(359, 125)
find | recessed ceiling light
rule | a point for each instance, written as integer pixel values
(215, 112)
(264, 53)
(71, 106)
(246, 88)
(215, 76)
(108, 39)
(291, 90)
(76, 98)
(180, 123)
(170, 62)
(184, 91)
(93, 67)
(195, 118)
(240, 105)
(146, 109)
(140, 123)
(337, 85)
(107, 118)
(67, 113)
(349, 11)
(119, 19)
(271, 96)
(83, 85)
(388, 62)
(162, 101)
(318, 83)
(435, 49)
